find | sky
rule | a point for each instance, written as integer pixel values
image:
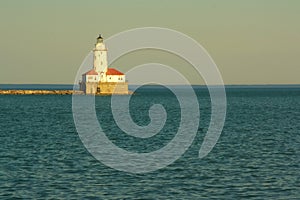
(251, 41)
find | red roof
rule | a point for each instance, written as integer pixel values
(91, 72)
(112, 71)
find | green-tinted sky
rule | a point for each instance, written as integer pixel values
(251, 41)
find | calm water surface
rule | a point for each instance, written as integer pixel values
(256, 157)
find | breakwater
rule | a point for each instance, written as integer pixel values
(40, 92)
(57, 92)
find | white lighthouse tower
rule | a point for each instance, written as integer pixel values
(101, 79)
(100, 56)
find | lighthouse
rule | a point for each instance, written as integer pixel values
(101, 79)
(100, 56)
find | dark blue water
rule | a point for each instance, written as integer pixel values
(256, 157)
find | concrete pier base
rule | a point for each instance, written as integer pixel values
(113, 88)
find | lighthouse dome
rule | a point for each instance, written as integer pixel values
(99, 39)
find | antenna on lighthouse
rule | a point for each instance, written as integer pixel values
(100, 39)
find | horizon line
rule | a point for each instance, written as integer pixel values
(150, 84)
(65, 84)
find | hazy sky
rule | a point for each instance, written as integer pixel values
(252, 42)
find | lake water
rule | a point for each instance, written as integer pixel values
(256, 157)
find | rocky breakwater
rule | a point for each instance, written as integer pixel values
(39, 92)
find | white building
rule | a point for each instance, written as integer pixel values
(100, 74)
(113, 75)
(91, 77)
